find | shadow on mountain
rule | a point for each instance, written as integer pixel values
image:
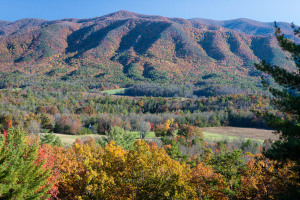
(211, 45)
(262, 49)
(143, 36)
(86, 38)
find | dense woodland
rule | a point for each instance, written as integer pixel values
(70, 113)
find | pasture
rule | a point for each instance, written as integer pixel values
(211, 134)
(115, 91)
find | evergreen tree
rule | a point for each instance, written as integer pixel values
(286, 98)
(122, 138)
(21, 177)
(51, 139)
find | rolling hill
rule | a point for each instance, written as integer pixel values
(123, 48)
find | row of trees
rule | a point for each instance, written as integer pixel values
(73, 113)
(156, 90)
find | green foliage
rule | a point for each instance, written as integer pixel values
(286, 98)
(249, 146)
(51, 139)
(230, 164)
(122, 138)
(175, 153)
(85, 131)
(20, 176)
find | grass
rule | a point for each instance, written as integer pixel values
(149, 135)
(238, 132)
(70, 139)
(215, 137)
(211, 134)
(115, 91)
(13, 90)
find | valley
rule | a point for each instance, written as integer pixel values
(134, 106)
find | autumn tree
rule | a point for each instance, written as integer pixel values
(264, 179)
(143, 128)
(5, 122)
(169, 128)
(92, 172)
(190, 131)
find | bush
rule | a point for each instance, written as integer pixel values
(122, 138)
(85, 131)
(190, 131)
(186, 131)
(51, 139)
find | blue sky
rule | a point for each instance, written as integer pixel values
(261, 10)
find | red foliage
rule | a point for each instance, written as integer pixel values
(152, 126)
(5, 134)
(46, 155)
(152, 145)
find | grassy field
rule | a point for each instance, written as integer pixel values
(115, 91)
(70, 139)
(149, 135)
(211, 134)
(215, 137)
(252, 133)
(13, 90)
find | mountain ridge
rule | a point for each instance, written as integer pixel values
(125, 47)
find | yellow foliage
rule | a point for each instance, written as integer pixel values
(91, 172)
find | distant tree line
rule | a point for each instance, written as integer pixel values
(157, 90)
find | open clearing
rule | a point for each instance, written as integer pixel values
(115, 91)
(211, 134)
(219, 133)
(70, 139)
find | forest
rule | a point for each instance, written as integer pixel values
(147, 141)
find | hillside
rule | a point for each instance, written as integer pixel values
(123, 48)
(251, 27)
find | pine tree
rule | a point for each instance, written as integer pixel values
(286, 98)
(21, 177)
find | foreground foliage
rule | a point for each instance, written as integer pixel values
(148, 172)
(286, 98)
(89, 171)
(21, 175)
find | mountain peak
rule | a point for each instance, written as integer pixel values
(136, 46)
(122, 14)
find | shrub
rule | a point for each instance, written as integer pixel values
(51, 139)
(85, 131)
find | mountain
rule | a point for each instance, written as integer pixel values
(123, 48)
(251, 27)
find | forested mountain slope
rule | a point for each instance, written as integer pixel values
(124, 48)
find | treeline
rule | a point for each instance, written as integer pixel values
(72, 113)
(224, 90)
(208, 86)
(188, 90)
(157, 90)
